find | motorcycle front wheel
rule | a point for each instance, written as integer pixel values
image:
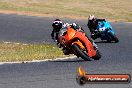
(97, 56)
(80, 53)
(114, 38)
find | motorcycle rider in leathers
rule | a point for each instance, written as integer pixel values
(93, 22)
(58, 25)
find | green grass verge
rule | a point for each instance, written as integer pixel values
(10, 52)
(119, 10)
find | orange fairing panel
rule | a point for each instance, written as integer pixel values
(88, 44)
(71, 33)
(79, 43)
(91, 51)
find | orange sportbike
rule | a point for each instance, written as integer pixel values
(75, 42)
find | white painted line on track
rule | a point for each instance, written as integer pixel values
(19, 62)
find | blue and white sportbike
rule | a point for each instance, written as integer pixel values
(105, 31)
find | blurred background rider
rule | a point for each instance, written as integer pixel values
(92, 25)
(57, 25)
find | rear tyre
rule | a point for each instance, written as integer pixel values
(80, 53)
(97, 56)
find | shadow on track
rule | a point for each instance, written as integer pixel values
(103, 42)
(68, 61)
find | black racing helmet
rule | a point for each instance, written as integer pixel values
(57, 24)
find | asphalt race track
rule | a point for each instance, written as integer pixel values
(116, 57)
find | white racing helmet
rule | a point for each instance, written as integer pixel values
(91, 17)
